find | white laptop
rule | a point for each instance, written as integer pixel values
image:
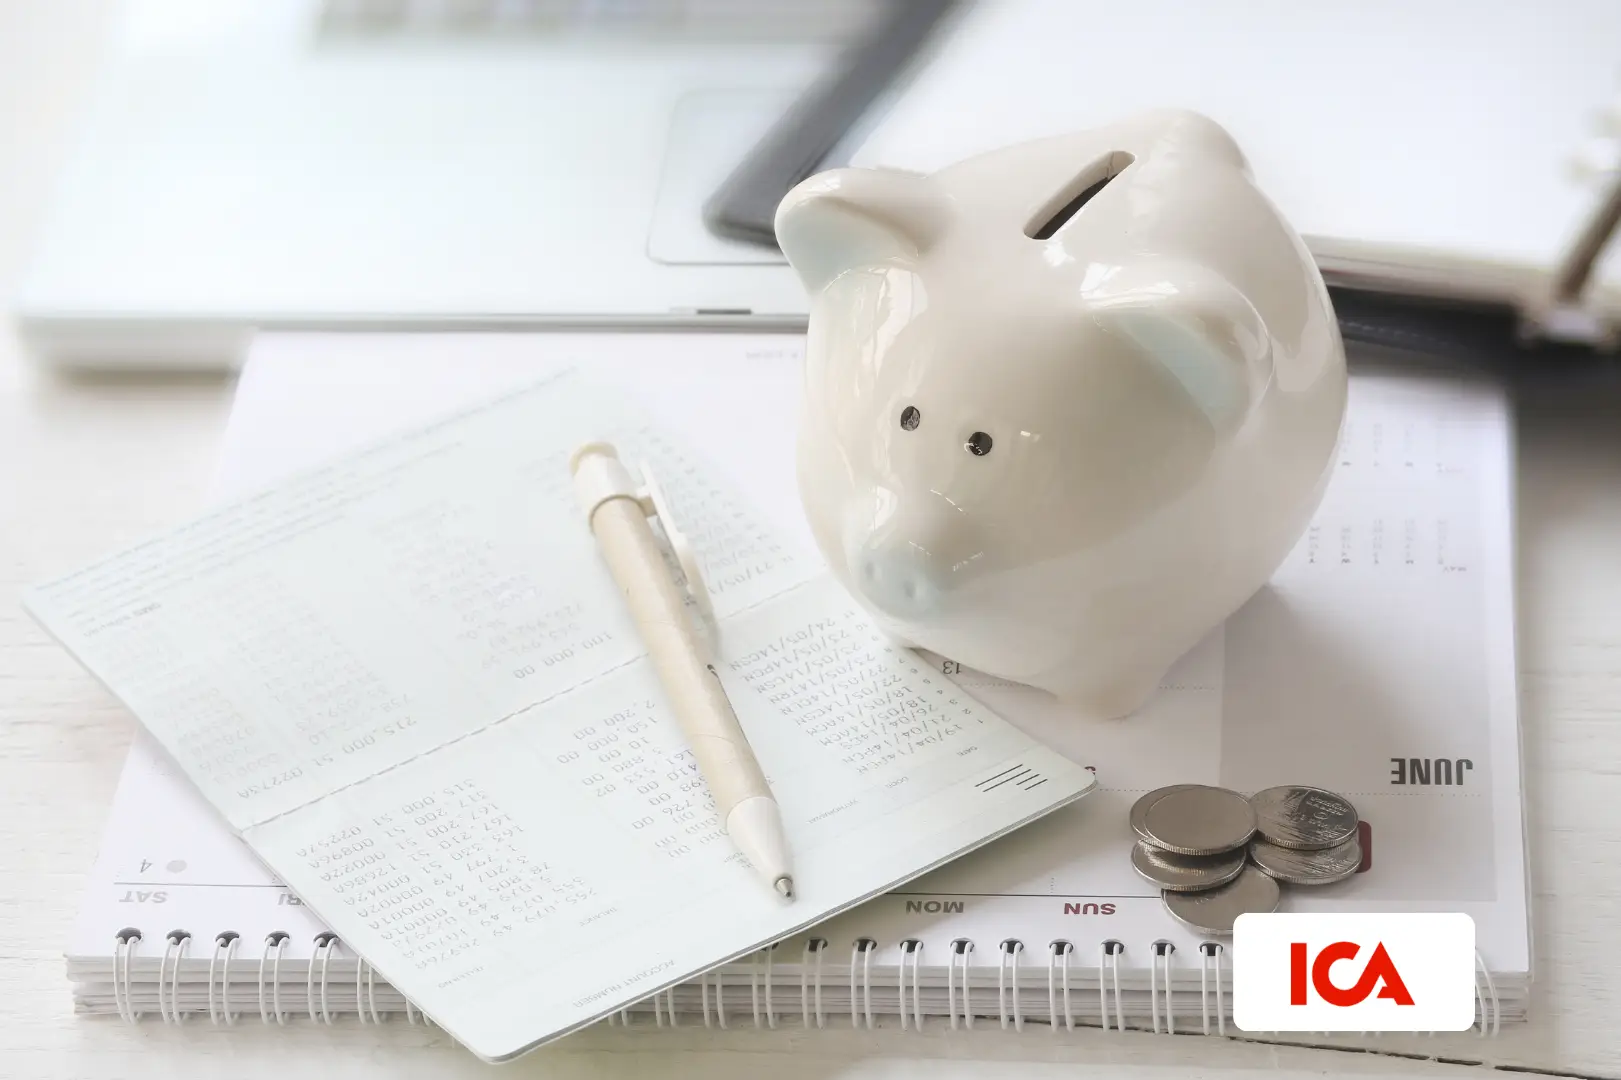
(299, 164)
(416, 163)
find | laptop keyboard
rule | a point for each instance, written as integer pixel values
(740, 20)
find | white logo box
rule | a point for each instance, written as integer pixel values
(1354, 972)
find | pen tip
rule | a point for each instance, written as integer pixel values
(785, 885)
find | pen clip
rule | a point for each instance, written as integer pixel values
(651, 498)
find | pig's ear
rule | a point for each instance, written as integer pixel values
(845, 218)
(1194, 326)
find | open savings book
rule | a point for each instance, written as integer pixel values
(406, 680)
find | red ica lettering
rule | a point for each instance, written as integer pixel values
(1380, 969)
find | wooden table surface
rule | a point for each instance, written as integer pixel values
(88, 464)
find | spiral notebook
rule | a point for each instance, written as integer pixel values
(1380, 663)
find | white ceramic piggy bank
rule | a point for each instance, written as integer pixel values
(1067, 404)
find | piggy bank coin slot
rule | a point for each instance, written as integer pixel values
(1091, 180)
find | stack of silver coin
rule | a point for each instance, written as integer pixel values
(1216, 855)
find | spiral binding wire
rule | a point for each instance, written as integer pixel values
(1007, 985)
(961, 958)
(1161, 956)
(366, 977)
(174, 949)
(124, 943)
(660, 1007)
(763, 959)
(762, 985)
(224, 952)
(1486, 997)
(720, 1000)
(1058, 953)
(863, 948)
(814, 948)
(1109, 953)
(325, 945)
(276, 941)
(1209, 951)
(911, 949)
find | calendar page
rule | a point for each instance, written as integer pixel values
(1378, 663)
(406, 680)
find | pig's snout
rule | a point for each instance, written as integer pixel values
(908, 557)
(899, 582)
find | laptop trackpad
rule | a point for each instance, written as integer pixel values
(710, 133)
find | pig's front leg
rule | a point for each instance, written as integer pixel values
(897, 642)
(1105, 695)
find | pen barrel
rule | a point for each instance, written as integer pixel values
(679, 655)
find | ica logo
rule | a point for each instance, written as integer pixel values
(1366, 971)
(1380, 970)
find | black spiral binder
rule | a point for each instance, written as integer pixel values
(236, 982)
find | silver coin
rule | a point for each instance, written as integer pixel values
(1139, 809)
(1199, 820)
(1186, 873)
(1215, 910)
(1322, 866)
(1305, 818)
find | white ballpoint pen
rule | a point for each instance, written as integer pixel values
(617, 509)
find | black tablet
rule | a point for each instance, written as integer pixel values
(815, 131)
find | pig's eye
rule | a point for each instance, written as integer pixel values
(910, 418)
(979, 444)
